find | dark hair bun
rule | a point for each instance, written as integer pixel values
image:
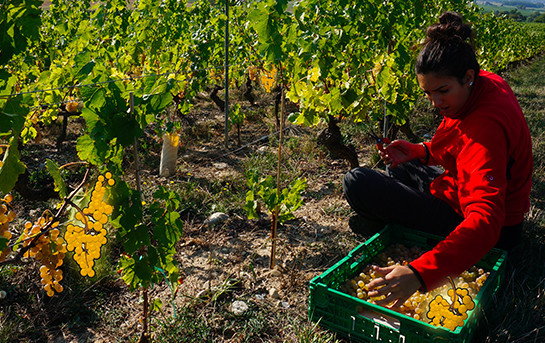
(450, 27)
(446, 50)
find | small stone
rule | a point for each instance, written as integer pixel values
(220, 165)
(273, 293)
(283, 304)
(275, 272)
(216, 218)
(239, 307)
(3, 294)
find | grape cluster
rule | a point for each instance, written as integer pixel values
(49, 248)
(252, 73)
(418, 305)
(268, 78)
(73, 106)
(216, 76)
(87, 239)
(451, 315)
(7, 214)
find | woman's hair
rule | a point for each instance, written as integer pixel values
(446, 50)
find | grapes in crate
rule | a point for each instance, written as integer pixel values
(432, 307)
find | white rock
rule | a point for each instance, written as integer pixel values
(273, 293)
(239, 307)
(216, 218)
(284, 304)
(272, 272)
(276, 272)
(220, 165)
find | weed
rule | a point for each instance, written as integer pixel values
(187, 326)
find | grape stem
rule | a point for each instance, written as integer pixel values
(72, 164)
(454, 297)
(84, 216)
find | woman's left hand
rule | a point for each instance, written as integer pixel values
(398, 284)
(401, 151)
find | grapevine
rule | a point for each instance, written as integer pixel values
(431, 307)
(87, 240)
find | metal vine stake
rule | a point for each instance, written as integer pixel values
(144, 338)
(276, 211)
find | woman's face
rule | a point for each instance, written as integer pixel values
(445, 92)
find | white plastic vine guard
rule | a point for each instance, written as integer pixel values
(169, 153)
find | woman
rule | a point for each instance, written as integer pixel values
(483, 145)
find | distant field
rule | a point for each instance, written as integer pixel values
(526, 12)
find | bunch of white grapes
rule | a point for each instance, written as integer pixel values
(418, 305)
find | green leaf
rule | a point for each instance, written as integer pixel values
(54, 171)
(7, 81)
(127, 266)
(307, 117)
(136, 238)
(348, 97)
(3, 243)
(143, 270)
(124, 129)
(12, 167)
(156, 305)
(168, 232)
(314, 73)
(159, 102)
(251, 205)
(260, 15)
(12, 116)
(127, 209)
(88, 150)
(96, 97)
(85, 71)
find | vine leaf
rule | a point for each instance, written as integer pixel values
(55, 173)
(12, 168)
(3, 243)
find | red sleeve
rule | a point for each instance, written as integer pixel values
(481, 167)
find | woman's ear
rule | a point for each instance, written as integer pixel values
(469, 77)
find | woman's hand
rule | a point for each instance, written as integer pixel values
(401, 151)
(398, 283)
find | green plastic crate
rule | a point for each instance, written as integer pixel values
(338, 311)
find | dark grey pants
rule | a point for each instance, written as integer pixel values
(401, 196)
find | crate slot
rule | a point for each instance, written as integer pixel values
(377, 332)
(385, 320)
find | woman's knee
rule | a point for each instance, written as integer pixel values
(361, 181)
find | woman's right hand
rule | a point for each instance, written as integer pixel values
(401, 151)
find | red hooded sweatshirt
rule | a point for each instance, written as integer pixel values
(486, 151)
